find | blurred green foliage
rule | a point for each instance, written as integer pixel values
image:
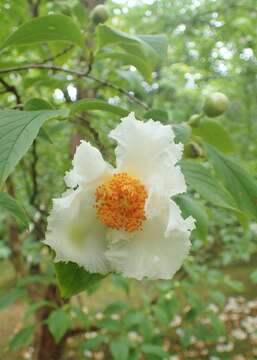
(211, 48)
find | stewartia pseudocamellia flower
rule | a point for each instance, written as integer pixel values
(123, 219)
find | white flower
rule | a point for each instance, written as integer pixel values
(123, 219)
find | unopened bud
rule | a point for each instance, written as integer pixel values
(215, 104)
(99, 14)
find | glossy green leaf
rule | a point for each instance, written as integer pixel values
(73, 279)
(189, 207)
(215, 134)
(130, 59)
(58, 323)
(44, 29)
(237, 180)
(94, 104)
(18, 129)
(22, 337)
(201, 180)
(9, 203)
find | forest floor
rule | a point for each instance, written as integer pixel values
(9, 318)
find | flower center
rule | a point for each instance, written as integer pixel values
(120, 202)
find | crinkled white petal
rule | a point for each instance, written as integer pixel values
(88, 166)
(75, 234)
(141, 145)
(161, 187)
(147, 151)
(157, 251)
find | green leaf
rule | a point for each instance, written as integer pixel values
(161, 315)
(9, 203)
(120, 348)
(158, 42)
(130, 59)
(121, 282)
(218, 297)
(22, 338)
(253, 276)
(201, 180)
(156, 350)
(18, 129)
(32, 308)
(157, 114)
(133, 318)
(10, 297)
(95, 342)
(37, 104)
(194, 208)
(94, 104)
(182, 132)
(44, 29)
(215, 134)
(73, 279)
(81, 316)
(237, 180)
(58, 323)
(152, 48)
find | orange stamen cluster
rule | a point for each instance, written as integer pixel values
(120, 202)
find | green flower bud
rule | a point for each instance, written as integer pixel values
(195, 120)
(215, 104)
(193, 150)
(99, 14)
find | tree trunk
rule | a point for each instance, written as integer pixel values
(45, 345)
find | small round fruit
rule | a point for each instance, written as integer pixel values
(215, 104)
(99, 14)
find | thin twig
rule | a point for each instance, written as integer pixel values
(80, 331)
(34, 174)
(76, 73)
(12, 89)
(54, 57)
(34, 7)
(94, 132)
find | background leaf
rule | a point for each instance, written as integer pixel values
(58, 323)
(129, 59)
(22, 337)
(94, 104)
(44, 29)
(202, 181)
(18, 129)
(215, 134)
(9, 203)
(37, 104)
(189, 207)
(152, 48)
(182, 132)
(237, 180)
(120, 348)
(10, 297)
